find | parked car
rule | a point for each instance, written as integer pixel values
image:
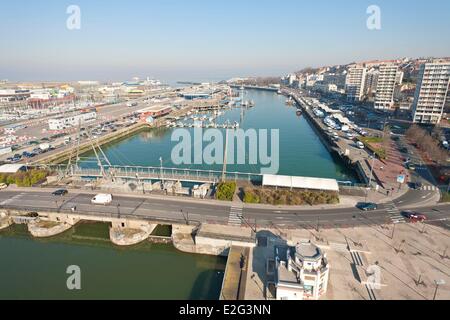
(102, 199)
(60, 192)
(367, 206)
(411, 166)
(414, 216)
(3, 186)
(360, 145)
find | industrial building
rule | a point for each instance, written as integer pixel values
(62, 123)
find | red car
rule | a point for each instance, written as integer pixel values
(414, 216)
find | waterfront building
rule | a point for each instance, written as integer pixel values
(431, 92)
(62, 123)
(387, 80)
(148, 115)
(337, 79)
(354, 83)
(325, 87)
(312, 79)
(301, 272)
(8, 95)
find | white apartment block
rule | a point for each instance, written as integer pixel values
(431, 92)
(355, 82)
(387, 80)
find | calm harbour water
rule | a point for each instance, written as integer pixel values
(301, 152)
(36, 269)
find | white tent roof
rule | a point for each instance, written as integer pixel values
(11, 168)
(342, 119)
(300, 182)
(327, 109)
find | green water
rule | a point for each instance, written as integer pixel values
(301, 152)
(36, 269)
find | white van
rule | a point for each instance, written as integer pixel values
(360, 145)
(102, 199)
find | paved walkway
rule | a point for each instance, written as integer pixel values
(387, 171)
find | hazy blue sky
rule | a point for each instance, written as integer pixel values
(209, 39)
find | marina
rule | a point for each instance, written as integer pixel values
(301, 151)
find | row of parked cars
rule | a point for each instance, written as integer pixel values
(27, 155)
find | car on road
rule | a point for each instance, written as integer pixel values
(3, 186)
(15, 159)
(414, 216)
(102, 198)
(349, 136)
(367, 206)
(416, 185)
(60, 192)
(360, 145)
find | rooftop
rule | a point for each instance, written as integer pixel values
(300, 182)
(307, 250)
(11, 168)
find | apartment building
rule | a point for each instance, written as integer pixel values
(355, 82)
(371, 81)
(431, 92)
(388, 77)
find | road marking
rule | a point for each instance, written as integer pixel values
(235, 218)
(429, 188)
(357, 260)
(394, 214)
(16, 197)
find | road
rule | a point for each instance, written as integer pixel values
(176, 210)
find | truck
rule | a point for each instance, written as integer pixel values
(102, 198)
(44, 146)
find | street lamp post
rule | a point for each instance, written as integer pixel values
(161, 170)
(438, 283)
(370, 176)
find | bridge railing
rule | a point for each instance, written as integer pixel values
(141, 172)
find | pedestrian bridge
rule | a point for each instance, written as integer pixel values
(151, 173)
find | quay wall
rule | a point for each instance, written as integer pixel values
(64, 155)
(331, 146)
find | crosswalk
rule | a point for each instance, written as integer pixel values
(357, 259)
(395, 214)
(235, 218)
(12, 199)
(429, 188)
